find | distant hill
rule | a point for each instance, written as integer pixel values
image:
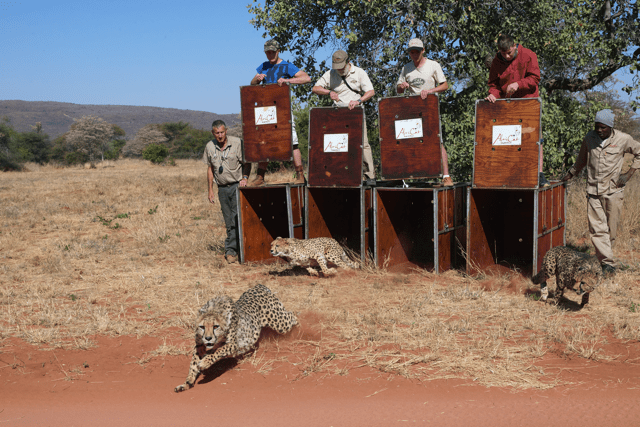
(56, 117)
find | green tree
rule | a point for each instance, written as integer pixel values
(155, 153)
(579, 44)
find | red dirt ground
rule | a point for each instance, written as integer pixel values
(112, 388)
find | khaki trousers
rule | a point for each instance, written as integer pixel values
(367, 156)
(604, 213)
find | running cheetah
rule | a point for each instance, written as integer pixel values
(228, 329)
(321, 249)
(575, 270)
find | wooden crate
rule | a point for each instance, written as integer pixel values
(342, 213)
(507, 138)
(266, 123)
(335, 147)
(265, 213)
(406, 221)
(410, 137)
(514, 228)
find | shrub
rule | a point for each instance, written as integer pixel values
(155, 153)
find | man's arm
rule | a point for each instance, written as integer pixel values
(365, 97)
(212, 198)
(440, 88)
(319, 90)
(581, 162)
(258, 78)
(299, 78)
(246, 171)
(532, 74)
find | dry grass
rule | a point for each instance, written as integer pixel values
(135, 249)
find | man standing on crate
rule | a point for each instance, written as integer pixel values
(223, 157)
(277, 70)
(515, 73)
(349, 86)
(602, 152)
(423, 77)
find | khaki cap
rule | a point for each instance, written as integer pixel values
(339, 59)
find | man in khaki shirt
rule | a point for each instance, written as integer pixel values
(223, 157)
(349, 86)
(602, 152)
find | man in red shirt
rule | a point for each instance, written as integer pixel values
(515, 73)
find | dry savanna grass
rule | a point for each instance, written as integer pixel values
(130, 248)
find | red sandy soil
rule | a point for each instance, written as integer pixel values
(112, 388)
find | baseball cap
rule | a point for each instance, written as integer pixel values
(339, 59)
(415, 44)
(271, 45)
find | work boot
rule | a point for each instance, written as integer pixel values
(231, 259)
(259, 179)
(542, 180)
(299, 175)
(447, 181)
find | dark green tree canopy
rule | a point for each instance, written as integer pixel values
(579, 43)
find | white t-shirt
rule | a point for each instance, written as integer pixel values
(426, 77)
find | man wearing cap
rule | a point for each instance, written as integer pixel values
(602, 152)
(277, 70)
(349, 86)
(223, 157)
(515, 73)
(422, 77)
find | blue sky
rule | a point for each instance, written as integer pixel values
(176, 54)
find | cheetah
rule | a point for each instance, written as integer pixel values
(227, 329)
(580, 272)
(321, 249)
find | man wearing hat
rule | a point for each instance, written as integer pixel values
(349, 86)
(277, 70)
(421, 77)
(602, 152)
(515, 73)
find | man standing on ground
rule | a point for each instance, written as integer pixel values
(223, 157)
(602, 152)
(422, 77)
(277, 70)
(349, 86)
(515, 73)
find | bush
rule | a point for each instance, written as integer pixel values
(155, 153)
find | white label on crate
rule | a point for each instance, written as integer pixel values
(266, 115)
(507, 135)
(336, 142)
(411, 128)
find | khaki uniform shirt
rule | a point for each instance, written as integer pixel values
(426, 77)
(603, 160)
(230, 159)
(357, 79)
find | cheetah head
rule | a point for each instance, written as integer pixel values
(588, 277)
(212, 325)
(280, 247)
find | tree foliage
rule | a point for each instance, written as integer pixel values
(90, 135)
(146, 135)
(16, 148)
(579, 44)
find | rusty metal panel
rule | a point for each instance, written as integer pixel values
(335, 147)
(410, 137)
(507, 137)
(265, 213)
(551, 221)
(339, 213)
(451, 227)
(266, 123)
